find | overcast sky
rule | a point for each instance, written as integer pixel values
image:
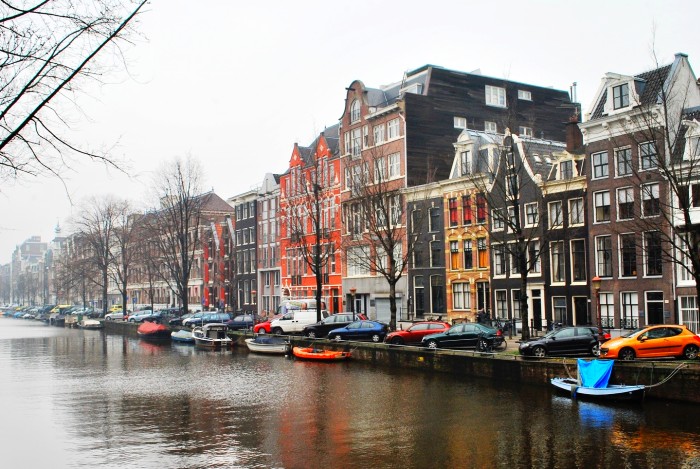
(235, 86)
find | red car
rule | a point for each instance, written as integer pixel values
(415, 333)
(264, 327)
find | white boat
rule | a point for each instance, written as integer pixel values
(592, 381)
(90, 324)
(268, 344)
(212, 336)
(182, 336)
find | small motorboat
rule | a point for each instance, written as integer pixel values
(91, 324)
(311, 353)
(183, 336)
(212, 336)
(268, 344)
(592, 382)
(153, 331)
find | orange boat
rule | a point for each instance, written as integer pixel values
(310, 353)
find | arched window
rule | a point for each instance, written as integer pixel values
(355, 111)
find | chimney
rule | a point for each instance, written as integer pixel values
(574, 137)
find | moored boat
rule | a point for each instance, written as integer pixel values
(311, 353)
(90, 324)
(153, 331)
(268, 344)
(212, 336)
(593, 382)
(182, 336)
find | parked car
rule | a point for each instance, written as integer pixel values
(117, 315)
(208, 317)
(193, 319)
(243, 322)
(415, 333)
(145, 315)
(466, 335)
(294, 321)
(667, 340)
(360, 330)
(178, 321)
(265, 327)
(578, 340)
(334, 321)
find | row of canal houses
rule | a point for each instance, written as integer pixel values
(482, 164)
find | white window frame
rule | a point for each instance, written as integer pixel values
(556, 216)
(651, 192)
(379, 132)
(626, 193)
(600, 170)
(460, 122)
(394, 161)
(576, 212)
(601, 196)
(524, 131)
(496, 96)
(525, 95)
(393, 130)
(532, 215)
(461, 296)
(355, 111)
(491, 127)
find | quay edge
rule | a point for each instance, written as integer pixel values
(682, 387)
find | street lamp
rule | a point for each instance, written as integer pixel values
(596, 281)
(352, 300)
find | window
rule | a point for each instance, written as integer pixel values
(437, 294)
(575, 211)
(689, 312)
(460, 122)
(683, 263)
(355, 111)
(601, 201)
(512, 219)
(497, 219)
(625, 203)
(623, 161)
(556, 250)
(559, 305)
(525, 131)
(435, 254)
(454, 255)
(514, 261)
(515, 295)
(647, 156)
(454, 215)
(578, 260)
(650, 200)
(355, 142)
(379, 134)
(468, 255)
(499, 260)
(629, 308)
(464, 163)
(482, 253)
(357, 261)
(628, 255)
(533, 259)
(512, 186)
(603, 246)
(524, 95)
(480, 208)
(466, 210)
(607, 310)
(531, 214)
(434, 219)
(652, 248)
(621, 96)
(501, 304)
(600, 165)
(490, 127)
(566, 170)
(556, 220)
(379, 170)
(365, 136)
(393, 128)
(460, 296)
(495, 96)
(418, 292)
(394, 165)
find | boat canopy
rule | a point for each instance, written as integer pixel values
(595, 373)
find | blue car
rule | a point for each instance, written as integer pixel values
(360, 330)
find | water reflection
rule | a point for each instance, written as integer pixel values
(92, 399)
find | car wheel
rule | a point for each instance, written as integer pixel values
(376, 338)
(277, 330)
(690, 352)
(432, 344)
(626, 354)
(337, 338)
(595, 350)
(396, 341)
(311, 335)
(108, 319)
(539, 351)
(482, 345)
(261, 331)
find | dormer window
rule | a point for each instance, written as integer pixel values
(465, 163)
(355, 111)
(566, 170)
(621, 96)
(495, 96)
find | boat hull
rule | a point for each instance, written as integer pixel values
(269, 347)
(212, 337)
(612, 391)
(153, 332)
(182, 336)
(310, 353)
(90, 324)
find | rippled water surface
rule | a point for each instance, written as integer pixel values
(74, 398)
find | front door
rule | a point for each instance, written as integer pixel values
(581, 310)
(537, 310)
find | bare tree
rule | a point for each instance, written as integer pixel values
(125, 242)
(175, 224)
(375, 215)
(48, 47)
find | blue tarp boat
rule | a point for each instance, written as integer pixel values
(593, 381)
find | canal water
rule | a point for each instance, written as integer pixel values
(74, 398)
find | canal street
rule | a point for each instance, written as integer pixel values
(76, 398)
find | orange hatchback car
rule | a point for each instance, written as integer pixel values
(665, 340)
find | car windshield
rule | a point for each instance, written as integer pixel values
(630, 334)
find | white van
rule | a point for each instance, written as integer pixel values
(294, 320)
